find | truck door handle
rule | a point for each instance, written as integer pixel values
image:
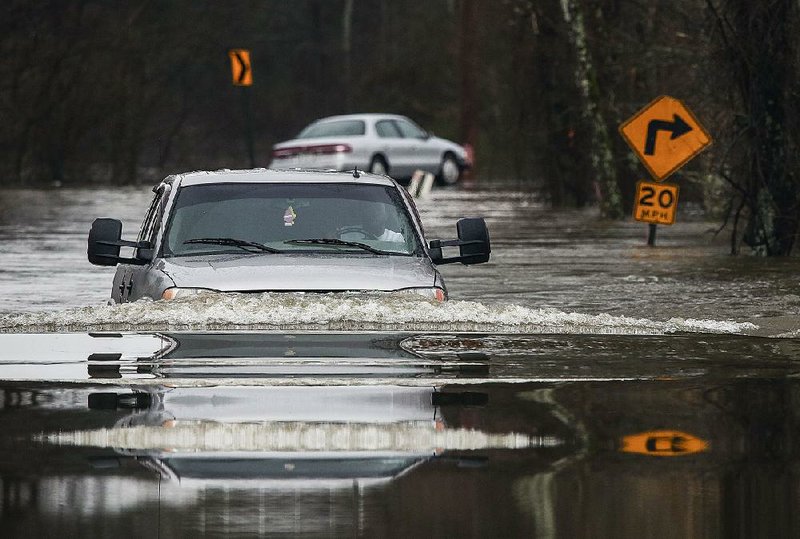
(125, 288)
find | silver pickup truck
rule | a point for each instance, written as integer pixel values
(280, 231)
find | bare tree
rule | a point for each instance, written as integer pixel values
(759, 43)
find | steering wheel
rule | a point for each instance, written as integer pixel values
(356, 229)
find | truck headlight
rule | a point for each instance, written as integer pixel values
(177, 292)
(435, 293)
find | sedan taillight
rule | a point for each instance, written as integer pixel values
(329, 148)
(282, 153)
(317, 149)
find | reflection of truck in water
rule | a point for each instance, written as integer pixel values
(334, 434)
(340, 470)
(256, 414)
(226, 355)
(261, 416)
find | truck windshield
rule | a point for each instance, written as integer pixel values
(268, 218)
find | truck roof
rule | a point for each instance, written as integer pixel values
(264, 175)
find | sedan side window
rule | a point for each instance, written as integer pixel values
(387, 129)
(409, 130)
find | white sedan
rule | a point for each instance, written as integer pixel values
(379, 143)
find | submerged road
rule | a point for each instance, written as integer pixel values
(580, 384)
(564, 260)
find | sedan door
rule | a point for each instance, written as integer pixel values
(399, 150)
(424, 154)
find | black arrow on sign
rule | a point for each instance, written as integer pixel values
(244, 69)
(678, 127)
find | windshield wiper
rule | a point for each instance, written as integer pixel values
(334, 241)
(233, 242)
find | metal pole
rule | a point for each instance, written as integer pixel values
(651, 235)
(247, 110)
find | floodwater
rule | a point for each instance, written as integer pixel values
(579, 385)
(565, 261)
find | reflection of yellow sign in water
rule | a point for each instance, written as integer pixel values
(663, 443)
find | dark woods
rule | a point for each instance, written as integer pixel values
(124, 92)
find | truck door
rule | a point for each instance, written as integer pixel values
(135, 283)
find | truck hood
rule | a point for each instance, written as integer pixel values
(300, 272)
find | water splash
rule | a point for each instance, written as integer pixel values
(344, 312)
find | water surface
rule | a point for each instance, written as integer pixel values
(398, 435)
(580, 384)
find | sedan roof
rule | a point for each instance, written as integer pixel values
(263, 175)
(366, 116)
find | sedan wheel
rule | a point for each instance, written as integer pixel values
(450, 172)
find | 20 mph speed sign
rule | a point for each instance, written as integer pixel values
(655, 202)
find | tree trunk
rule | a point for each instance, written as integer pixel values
(468, 61)
(600, 148)
(347, 26)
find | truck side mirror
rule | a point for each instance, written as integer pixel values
(104, 242)
(475, 246)
(105, 239)
(473, 243)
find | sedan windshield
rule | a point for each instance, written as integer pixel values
(267, 218)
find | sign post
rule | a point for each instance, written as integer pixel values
(665, 135)
(242, 75)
